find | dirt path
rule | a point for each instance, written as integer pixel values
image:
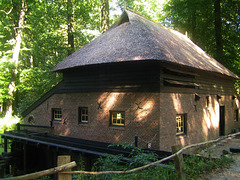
(233, 171)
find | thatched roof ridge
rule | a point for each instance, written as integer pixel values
(133, 37)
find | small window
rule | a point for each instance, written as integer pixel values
(181, 124)
(57, 114)
(83, 115)
(30, 120)
(117, 118)
(207, 101)
(236, 115)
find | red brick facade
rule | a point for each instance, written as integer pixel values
(150, 116)
(141, 116)
(202, 117)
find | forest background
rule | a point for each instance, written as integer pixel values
(35, 35)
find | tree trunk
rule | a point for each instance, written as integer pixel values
(194, 17)
(218, 30)
(70, 27)
(15, 58)
(104, 15)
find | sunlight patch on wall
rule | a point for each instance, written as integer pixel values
(176, 102)
(237, 103)
(107, 100)
(63, 132)
(117, 137)
(145, 110)
(182, 141)
(210, 117)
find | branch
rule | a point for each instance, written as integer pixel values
(45, 172)
(8, 11)
(153, 163)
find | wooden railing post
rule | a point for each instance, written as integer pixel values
(179, 163)
(61, 161)
(18, 127)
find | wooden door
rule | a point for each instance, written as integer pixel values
(222, 121)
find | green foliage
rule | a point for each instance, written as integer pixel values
(6, 75)
(137, 157)
(44, 44)
(33, 83)
(9, 123)
(196, 166)
(196, 18)
(44, 178)
(147, 8)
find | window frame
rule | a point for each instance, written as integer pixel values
(54, 110)
(80, 115)
(236, 112)
(184, 126)
(207, 101)
(122, 119)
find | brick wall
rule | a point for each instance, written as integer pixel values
(202, 120)
(141, 116)
(150, 116)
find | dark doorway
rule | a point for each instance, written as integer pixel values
(222, 121)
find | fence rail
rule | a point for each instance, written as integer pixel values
(45, 172)
(156, 162)
(62, 169)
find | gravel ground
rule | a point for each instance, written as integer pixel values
(233, 171)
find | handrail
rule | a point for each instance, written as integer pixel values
(44, 172)
(63, 168)
(230, 136)
(34, 126)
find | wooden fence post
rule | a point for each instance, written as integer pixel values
(61, 161)
(178, 163)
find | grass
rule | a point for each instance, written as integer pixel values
(7, 123)
(194, 167)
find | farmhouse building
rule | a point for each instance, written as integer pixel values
(140, 79)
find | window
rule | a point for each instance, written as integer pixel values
(30, 120)
(207, 101)
(83, 115)
(56, 114)
(181, 124)
(117, 118)
(236, 115)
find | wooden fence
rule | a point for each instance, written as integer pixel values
(65, 173)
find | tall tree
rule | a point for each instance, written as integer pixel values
(15, 58)
(214, 26)
(104, 15)
(70, 27)
(218, 30)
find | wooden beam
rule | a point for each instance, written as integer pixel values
(24, 157)
(178, 162)
(34, 126)
(5, 144)
(63, 160)
(45, 172)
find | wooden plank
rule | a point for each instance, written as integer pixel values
(178, 162)
(235, 150)
(61, 161)
(45, 172)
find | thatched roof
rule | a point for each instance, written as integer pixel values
(133, 38)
